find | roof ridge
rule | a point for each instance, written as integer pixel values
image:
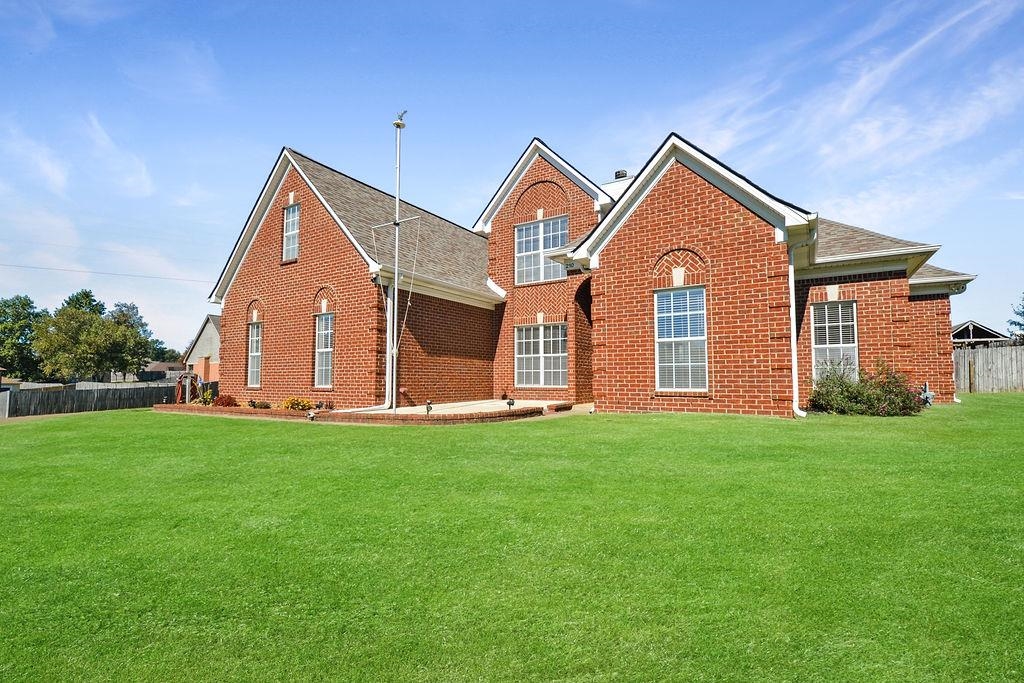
(383, 192)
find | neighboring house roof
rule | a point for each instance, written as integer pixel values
(537, 148)
(972, 330)
(210, 319)
(782, 215)
(436, 255)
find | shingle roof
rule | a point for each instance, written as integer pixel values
(840, 239)
(430, 246)
(928, 272)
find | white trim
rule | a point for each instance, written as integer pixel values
(541, 252)
(424, 284)
(535, 149)
(657, 354)
(249, 355)
(496, 288)
(317, 351)
(855, 345)
(780, 215)
(540, 340)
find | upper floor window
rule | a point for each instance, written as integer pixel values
(835, 337)
(324, 349)
(533, 241)
(290, 250)
(681, 342)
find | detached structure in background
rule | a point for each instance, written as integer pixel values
(203, 355)
(972, 335)
(683, 288)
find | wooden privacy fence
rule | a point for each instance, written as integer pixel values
(71, 400)
(988, 369)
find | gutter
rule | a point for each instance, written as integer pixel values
(794, 372)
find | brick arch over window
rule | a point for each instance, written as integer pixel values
(546, 195)
(694, 269)
(255, 312)
(323, 294)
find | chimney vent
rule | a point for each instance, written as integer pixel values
(620, 174)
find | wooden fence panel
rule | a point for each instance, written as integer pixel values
(989, 369)
(70, 400)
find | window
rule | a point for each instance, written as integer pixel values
(324, 350)
(835, 336)
(541, 356)
(680, 352)
(291, 233)
(255, 352)
(535, 239)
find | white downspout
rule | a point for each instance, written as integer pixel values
(794, 370)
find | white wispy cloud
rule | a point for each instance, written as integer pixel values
(1014, 196)
(128, 171)
(175, 71)
(193, 195)
(41, 161)
(33, 23)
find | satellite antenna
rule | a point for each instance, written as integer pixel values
(399, 124)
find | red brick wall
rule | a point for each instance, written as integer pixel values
(287, 296)
(911, 334)
(541, 187)
(446, 352)
(687, 222)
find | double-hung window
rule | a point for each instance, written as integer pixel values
(290, 248)
(541, 356)
(255, 353)
(533, 242)
(835, 337)
(324, 349)
(681, 343)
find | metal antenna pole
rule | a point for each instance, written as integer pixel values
(399, 124)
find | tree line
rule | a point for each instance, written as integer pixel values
(81, 339)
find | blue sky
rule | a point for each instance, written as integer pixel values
(135, 136)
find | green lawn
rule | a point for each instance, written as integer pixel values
(137, 545)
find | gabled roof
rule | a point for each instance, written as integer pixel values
(537, 148)
(840, 240)
(781, 214)
(208, 320)
(971, 330)
(442, 254)
(431, 246)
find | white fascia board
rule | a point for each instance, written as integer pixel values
(422, 284)
(943, 284)
(366, 257)
(928, 249)
(778, 214)
(534, 150)
(496, 288)
(245, 239)
(908, 260)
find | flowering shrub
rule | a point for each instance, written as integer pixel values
(293, 403)
(884, 392)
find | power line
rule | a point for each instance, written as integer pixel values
(100, 272)
(125, 251)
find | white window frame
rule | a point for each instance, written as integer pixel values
(253, 367)
(290, 252)
(545, 360)
(548, 231)
(818, 323)
(323, 353)
(700, 340)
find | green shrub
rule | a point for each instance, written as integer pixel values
(225, 401)
(884, 392)
(262, 405)
(293, 403)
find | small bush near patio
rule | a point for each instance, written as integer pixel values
(883, 393)
(293, 403)
(579, 548)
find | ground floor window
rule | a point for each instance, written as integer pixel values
(834, 326)
(324, 350)
(681, 353)
(542, 356)
(255, 353)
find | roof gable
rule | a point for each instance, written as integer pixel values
(537, 148)
(780, 214)
(435, 250)
(972, 330)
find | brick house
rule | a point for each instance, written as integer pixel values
(684, 288)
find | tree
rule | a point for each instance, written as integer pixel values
(1016, 323)
(83, 300)
(128, 315)
(17, 315)
(67, 342)
(160, 352)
